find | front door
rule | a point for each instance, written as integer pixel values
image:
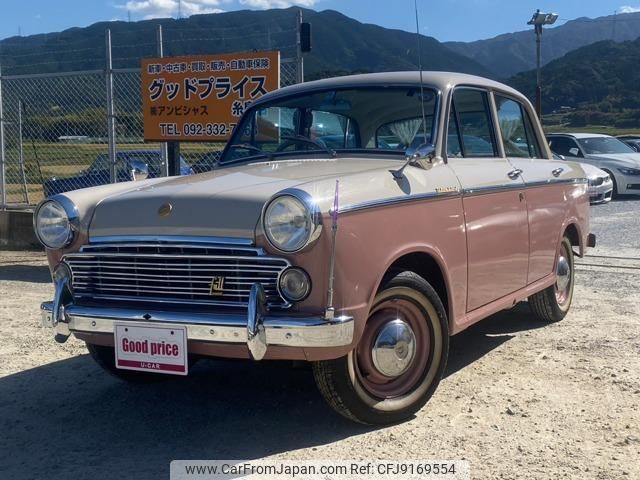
(493, 199)
(548, 182)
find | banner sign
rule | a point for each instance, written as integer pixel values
(202, 97)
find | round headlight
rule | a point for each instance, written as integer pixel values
(52, 225)
(288, 223)
(294, 284)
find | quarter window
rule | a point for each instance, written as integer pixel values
(516, 128)
(470, 128)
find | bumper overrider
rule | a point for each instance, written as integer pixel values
(257, 327)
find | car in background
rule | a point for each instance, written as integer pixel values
(633, 142)
(131, 165)
(608, 153)
(600, 183)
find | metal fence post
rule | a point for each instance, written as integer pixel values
(3, 179)
(111, 119)
(299, 57)
(23, 172)
(164, 151)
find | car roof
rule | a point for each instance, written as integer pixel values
(440, 80)
(579, 135)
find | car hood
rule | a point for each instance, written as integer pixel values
(631, 160)
(592, 171)
(227, 202)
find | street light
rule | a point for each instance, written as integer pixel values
(538, 20)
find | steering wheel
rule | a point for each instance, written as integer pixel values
(288, 143)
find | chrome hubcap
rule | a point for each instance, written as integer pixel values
(394, 348)
(563, 273)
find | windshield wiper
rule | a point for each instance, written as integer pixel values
(310, 141)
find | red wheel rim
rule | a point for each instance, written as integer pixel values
(372, 380)
(563, 284)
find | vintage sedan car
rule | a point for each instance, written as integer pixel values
(600, 183)
(362, 257)
(608, 153)
(130, 165)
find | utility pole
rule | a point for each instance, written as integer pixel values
(299, 57)
(538, 20)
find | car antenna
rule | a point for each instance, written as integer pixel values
(424, 116)
(412, 157)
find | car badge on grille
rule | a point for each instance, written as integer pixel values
(165, 209)
(216, 287)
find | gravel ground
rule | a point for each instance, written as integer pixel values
(520, 399)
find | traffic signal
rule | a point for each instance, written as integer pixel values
(305, 37)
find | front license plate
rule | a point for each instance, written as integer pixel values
(148, 348)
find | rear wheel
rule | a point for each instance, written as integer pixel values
(553, 303)
(399, 360)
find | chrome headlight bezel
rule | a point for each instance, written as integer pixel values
(71, 218)
(312, 222)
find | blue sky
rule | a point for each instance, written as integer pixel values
(445, 20)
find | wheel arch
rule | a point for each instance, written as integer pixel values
(573, 232)
(430, 266)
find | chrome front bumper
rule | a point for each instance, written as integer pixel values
(258, 328)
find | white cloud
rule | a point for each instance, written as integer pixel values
(170, 8)
(266, 4)
(628, 9)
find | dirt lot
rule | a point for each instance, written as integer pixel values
(520, 399)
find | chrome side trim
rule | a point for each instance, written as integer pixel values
(554, 181)
(288, 331)
(397, 200)
(468, 192)
(465, 192)
(172, 239)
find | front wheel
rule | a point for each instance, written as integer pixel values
(399, 360)
(552, 304)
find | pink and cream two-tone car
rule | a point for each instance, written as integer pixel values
(355, 223)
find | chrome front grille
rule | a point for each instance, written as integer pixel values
(180, 273)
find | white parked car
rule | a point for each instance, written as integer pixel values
(600, 183)
(608, 153)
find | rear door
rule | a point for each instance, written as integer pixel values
(493, 199)
(548, 181)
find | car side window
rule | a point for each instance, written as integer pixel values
(470, 128)
(564, 146)
(517, 132)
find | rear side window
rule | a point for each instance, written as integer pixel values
(563, 146)
(470, 128)
(516, 128)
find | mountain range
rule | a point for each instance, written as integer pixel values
(600, 80)
(340, 43)
(511, 53)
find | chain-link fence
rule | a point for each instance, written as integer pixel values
(54, 132)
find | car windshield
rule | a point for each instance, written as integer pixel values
(385, 120)
(603, 145)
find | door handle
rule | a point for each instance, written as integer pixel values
(556, 172)
(513, 174)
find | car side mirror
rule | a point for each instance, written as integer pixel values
(574, 152)
(425, 151)
(139, 173)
